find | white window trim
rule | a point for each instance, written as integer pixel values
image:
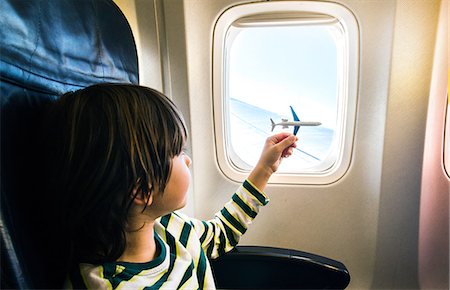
(264, 11)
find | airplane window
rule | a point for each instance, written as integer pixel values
(270, 69)
(283, 70)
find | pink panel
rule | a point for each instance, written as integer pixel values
(434, 207)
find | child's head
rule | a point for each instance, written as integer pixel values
(114, 142)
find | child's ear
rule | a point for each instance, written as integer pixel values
(140, 198)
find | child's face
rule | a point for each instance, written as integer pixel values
(174, 196)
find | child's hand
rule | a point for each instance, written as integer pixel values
(276, 147)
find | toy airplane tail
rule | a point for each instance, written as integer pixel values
(273, 124)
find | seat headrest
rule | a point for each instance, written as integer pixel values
(57, 46)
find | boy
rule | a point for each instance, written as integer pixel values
(121, 174)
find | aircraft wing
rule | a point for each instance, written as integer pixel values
(296, 129)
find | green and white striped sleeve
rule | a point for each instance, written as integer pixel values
(221, 234)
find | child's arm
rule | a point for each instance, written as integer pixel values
(222, 233)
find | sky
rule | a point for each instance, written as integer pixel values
(277, 67)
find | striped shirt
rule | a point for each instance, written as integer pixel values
(185, 244)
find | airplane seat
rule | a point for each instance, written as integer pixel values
(47, 48)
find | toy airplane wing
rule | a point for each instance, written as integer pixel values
(294, 115)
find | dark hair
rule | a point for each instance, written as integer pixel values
(107, 140)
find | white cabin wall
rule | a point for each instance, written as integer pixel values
(338, 220)
(369, 218)
(142, 17)
(412, 57)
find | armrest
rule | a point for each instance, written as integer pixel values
(254, 267)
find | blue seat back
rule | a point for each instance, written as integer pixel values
(47, 48)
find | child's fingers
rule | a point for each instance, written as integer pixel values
(287, 142)
(277, 138)
(288, 151)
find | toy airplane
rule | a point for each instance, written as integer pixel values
(296, 123)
